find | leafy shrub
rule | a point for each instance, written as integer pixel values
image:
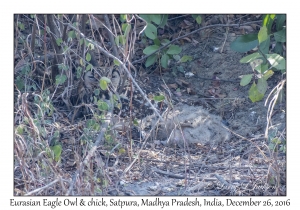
(262, 62)
(151, 33)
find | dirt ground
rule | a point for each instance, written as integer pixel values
(208, 169)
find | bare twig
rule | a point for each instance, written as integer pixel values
(144, 143)
(123, 66)
(58, 59)
(277, 89)
(83, 21)
(111, 38)
(32, 44)
(250, 140)
(99, 137)
(226, 36)
(42, 188)
(169, 174)
(71, 185)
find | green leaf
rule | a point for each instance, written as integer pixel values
(60, 79)
(151, 60)
(122, 39)
(150, 49)
(198, 19)
(115, 97)
(71, 34)
(164, 61)
(264, 68)
(91, 46)
(117, 63)
(105, 79)
(261, 68)
(254, 94)
(176, 57)
(256, 64)
(165, 41)
(93, 125)
(244, 43)
(21, 26)
(102, 106)
(124, 26)
(180, 69)
(57, 149)
(246, 79)
(159, 98)
(78, 72)
(63, 67)
(262, 34)
(280, 22)
(75, 24)
(186, 58)
(90, 123)
(276, 141)
(146, 18)
(121, 151)
(250, 58)
(268, 74)
(89, 67)
(155, 18)
(174, 49)
(103, 84)
(262, 85)
(151, 31)
(276, 61)
(81, 41)
(20, 129)
(278, 48)
(88, 57)
(20, 83)
(268, 21)
(135, 122)
(156, 41)
(127, 30)
(25, 69)
(163, 21)
(264, 46)
(123, 18)
(59, 41)
(280, 36)
(97, 92)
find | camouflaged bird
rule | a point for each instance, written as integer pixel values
(84, 101)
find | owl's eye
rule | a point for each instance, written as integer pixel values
(115, 73)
